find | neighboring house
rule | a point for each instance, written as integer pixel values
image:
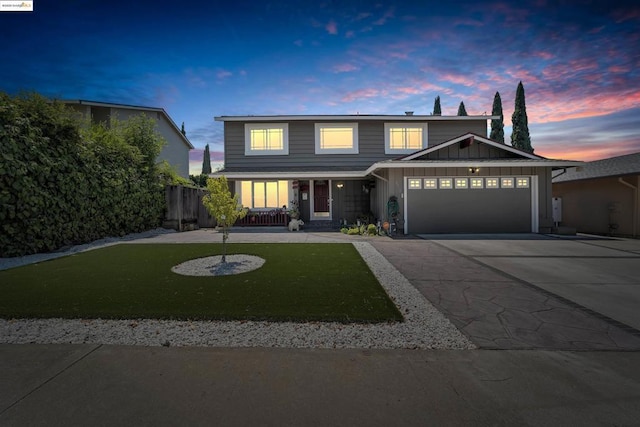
(440, 173)
(176, 151)
(602, 197)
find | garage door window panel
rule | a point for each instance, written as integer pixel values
(461, 183)
(476, 183)
(506, 183)
(492, 183)
(415, 184)
(446, 183)
(430, 184)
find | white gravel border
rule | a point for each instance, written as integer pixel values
(424, 326)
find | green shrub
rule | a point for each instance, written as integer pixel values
(353, 231)
(63, 181)
(372, 230)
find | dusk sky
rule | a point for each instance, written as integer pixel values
(579, 62)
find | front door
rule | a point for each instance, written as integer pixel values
(321, 199)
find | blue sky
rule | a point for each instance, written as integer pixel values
(579, 62)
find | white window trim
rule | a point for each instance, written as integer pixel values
(248, 127)
(387, 137)
(352, 150)
(238, 191)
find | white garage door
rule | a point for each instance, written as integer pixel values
(470, 204)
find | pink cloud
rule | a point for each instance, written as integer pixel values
(387, 15)
(344, 68)
(458, 79)
(332, 27)
(543, 55)
(619, 69)
(361, 94)
(588, 154)
(627, 14)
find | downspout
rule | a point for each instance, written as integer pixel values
(635, 205)
(564, 170)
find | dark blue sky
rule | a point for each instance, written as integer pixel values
(579, 62)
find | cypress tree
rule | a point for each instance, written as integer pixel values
(437, 111)
(520, 136)
(206, 161)
(461, 110)
(497, 125)
(182, 130)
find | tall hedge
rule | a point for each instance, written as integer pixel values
(64, 181)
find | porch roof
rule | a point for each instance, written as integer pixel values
(346, 173)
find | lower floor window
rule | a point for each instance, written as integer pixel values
(264, 194)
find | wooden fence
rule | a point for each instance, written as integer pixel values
(185, 210)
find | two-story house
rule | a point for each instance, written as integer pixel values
(439, 174)
(176, 150)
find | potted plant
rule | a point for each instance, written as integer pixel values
(294, 210)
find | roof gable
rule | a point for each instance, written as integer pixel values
(461, 148)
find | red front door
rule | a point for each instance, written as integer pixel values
(321, 198)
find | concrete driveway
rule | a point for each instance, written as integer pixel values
(599, 273)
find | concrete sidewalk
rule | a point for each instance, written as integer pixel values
(69, 385)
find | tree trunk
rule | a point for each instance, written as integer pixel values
(225, 236)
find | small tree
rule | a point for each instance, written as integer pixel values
(224, 207)
(461, 110)
(184, 132)
(497, 125)
(437, 111)
(520, 137)
(206, 161)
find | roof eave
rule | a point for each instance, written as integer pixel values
(400, 164)
(291, 174)
(351, 117)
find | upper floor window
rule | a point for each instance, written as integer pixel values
(336, 138)
(404, 138)
(266, 139)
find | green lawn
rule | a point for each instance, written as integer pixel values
(298, 282)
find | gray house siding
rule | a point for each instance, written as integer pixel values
(474, 151)
(302, 156)
(441, 131)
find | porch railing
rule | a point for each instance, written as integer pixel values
(264, 218)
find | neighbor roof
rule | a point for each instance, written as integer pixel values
(132, 107)
(613, 166)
